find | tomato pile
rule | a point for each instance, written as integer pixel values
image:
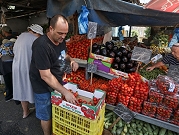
(78, 77)
(131, 92)
(135, 104)
(114, 86)
(123, 99)
(79, 48)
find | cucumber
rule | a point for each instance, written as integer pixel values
(162, 131)
(119, 124)
(149, 129)
(122, 133)
(108, 114)
(131, 131)
(140, 133)
(169, 132)
(125, 129)
(156, 131)
(119, 130)
(133, 125)
(114, 130)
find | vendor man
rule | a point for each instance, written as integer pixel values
(45, 69)
(172, 59)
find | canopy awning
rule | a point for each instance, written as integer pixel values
(113, 12)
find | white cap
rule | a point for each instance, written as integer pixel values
(176, 44)
(12, 40)
(36, 28)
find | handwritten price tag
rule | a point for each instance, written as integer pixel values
(141, 54)
(92, 29)
(122, 111)
(91, 68)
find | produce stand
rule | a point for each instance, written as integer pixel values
(154, 121)
(139, 116)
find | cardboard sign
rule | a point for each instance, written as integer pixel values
(141, 54)
(122, 111)
(92, 68)
(92, 29)
(173, 72)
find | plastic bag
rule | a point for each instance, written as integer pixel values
(175, 38)
(83, 20)
(166, 85)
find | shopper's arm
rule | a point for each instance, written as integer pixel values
(158, 64)
(73, 64)
(51, 80)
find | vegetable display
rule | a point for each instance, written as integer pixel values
(149, 75)
(135, 127)
(122, 57)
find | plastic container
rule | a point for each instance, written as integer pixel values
(166, 85)
(149, 109)
(65, 122)
(163, 113)
(170, 102)
(155, 97)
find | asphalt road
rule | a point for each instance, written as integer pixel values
(12, 123)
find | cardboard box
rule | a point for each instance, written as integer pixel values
(118, 73)
(85, 110)
(101, 65)
(100, 57)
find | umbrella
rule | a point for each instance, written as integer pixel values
(164, 5)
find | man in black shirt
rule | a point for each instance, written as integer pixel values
(45, 69)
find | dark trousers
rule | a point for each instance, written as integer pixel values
(9, 87)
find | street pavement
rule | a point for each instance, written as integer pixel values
(11, 121)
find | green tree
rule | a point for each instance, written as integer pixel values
(147, 32)
(134, 33)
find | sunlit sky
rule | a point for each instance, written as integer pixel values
(144, 1)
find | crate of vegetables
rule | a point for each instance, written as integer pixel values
(89, 103)
(66, 122)
(149, 109)
(163, 113)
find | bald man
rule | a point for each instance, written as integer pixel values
(45, 73)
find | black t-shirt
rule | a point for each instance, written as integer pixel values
(45, 55)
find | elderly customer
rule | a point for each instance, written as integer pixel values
(172, 60)
(6, 65)
(22, 89)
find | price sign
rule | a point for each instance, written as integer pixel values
(91, 68)
(122, 111)
(156, 58)
(141, 54)
(173, 72)
(92, 29)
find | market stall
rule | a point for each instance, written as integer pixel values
(122, 79)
